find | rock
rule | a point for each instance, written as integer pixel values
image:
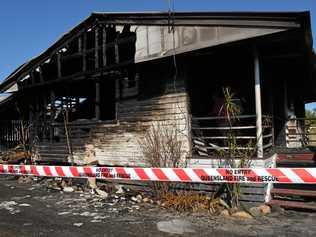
(78, 224)
(255, 211)
(63, 213)
(92, 182)
(225, 213)
(54, 187)
(113, 210)
(136, 207)
(25, 180)
(21, 198)
(27, 224)
(95, 221)
(88, 214)
(146, 199)
(139, 198)
(265, 209)
(63, 183)
(134, 199)
(102, 193)
(260, 210)
(9, 205)
(68, 189)
(119, 189)
(175, 227)
(242, 215)
(100, 217)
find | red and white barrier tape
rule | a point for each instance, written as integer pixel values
(198, 175)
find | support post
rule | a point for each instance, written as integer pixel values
(104, 46)
(97, 101)
(44, 110)
(285, 140)
(32, 79)
(79, 44)
(58, 65)
(41, 74)
(97, 84)
(96, 48)
(116, 49)
(84, 49)
(52, 114)
(258, 104)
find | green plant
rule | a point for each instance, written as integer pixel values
(234, 156)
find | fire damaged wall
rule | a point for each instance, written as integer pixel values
(157, 99)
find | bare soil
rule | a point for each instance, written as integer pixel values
(33, 210)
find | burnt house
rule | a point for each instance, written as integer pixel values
(116, 74)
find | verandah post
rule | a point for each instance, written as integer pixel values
(97, 83)
(258, 104)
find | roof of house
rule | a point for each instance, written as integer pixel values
(286, 20)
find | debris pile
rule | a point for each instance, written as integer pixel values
(117, 198)
(114, 198)
(9, 206)
(15, 155)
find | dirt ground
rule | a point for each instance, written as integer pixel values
(33, 210)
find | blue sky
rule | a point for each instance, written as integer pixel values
(29, 27)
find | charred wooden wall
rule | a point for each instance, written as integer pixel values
(157, 99)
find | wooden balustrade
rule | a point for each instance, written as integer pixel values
(213, 134)
(300, 132)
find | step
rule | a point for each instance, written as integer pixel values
(61, 152)
(306, 157)
(60, 146)
(291, 161)
(293, 204)
(296, 164)
(58, 150)
(296, 186)
(296, 156)
(52, 154)
(293, 192)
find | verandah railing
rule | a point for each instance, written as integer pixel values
(13, 133)
(57, 132)
(301, 132)
(212, 134)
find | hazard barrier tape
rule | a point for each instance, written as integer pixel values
(198, 175)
